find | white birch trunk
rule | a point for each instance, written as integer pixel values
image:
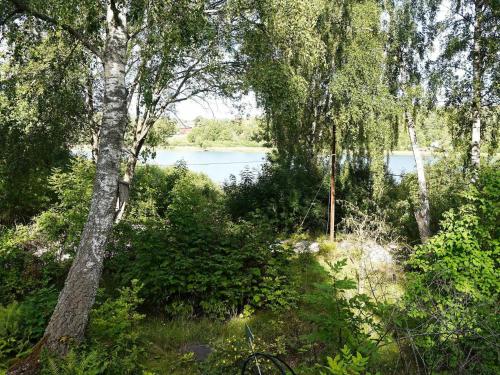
(422, 213)
(69, 319)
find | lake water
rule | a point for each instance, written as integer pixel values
(219, 165)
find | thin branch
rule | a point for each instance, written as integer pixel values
(21, 7)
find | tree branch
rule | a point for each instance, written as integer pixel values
(23, 8)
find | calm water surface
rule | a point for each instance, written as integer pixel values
(219, 165)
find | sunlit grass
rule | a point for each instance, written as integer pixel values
(167, 339)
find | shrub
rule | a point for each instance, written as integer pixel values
(451, 303)
(63, 223)
(22, 270)
(192, 259)
(346, 364)
(229, 355)
(22, 323)
(281, 193)
(445, 183)
(340, 319)
(112, 345)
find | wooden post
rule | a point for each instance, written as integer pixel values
(332, 183)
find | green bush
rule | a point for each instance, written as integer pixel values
(451, 302)
(281, 194)
(22, 323)
(229, 355)
(446, 181)
(63, 223)
(22, 270)
(191, 258)
(112, 345)
(341, 316)
(346, 364)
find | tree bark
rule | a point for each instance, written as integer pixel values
(332, 182)
(422, 213)
(476, 92)
(77, 297)
(69, 319)
(141, 132)
(125, 183)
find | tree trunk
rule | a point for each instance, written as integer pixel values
(476, 92)
(332, 183)
(140, 135)
(69, 319)
(95, 143)
(422, 214)
(76, 299)
(124, 191)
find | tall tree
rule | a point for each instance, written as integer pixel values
(410, 37)
(317, 70)
(42, 113)
(70, 316)
(112, 32)
(178, 53)
(468, 67)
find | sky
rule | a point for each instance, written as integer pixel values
(217, 108)
(220, 108)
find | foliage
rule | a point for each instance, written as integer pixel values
(340, 319)
(445, 182)
(191, 257)
(112, 346)
(228, 356)
(239, 132)
(22, 323)
(347, 364)
(23, 271)
(63, 223)
(281, 194)
(465, 26)
(41, 115)
(452, 293)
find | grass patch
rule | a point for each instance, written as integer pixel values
(282, 332)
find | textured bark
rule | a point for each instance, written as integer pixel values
(124, 192)
(69, 319)
(70, 316)
(476, 92)
(95, 143)
(142, 130)
(422, 213)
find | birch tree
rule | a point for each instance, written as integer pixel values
(113, 32)
(468, 67)
(317, 70)
(409, 40)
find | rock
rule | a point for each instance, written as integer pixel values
(314, 248)
(303, 247)
(300, 247)
(371, 251)
(377, 253)
(200, 351)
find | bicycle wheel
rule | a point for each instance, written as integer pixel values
(265, 364)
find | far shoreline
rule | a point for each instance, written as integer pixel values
(263, 149)
(250, 149)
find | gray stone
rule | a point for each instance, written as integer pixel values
(200, 351)
(303, 247)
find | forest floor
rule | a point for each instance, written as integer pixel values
(169, 342)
